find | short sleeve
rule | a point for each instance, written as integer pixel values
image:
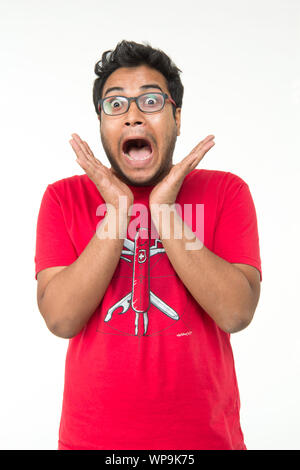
(236, 236)
(54, 246)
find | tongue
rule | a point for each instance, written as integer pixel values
(139, 153)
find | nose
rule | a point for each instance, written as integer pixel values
(134, 117)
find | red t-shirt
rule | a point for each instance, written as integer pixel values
(164, 379)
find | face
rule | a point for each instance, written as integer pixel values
(160, 128)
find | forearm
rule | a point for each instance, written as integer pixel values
(73, 294)
(219, 288)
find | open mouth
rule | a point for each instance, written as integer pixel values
(137, 149)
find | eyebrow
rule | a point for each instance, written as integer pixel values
(143, 87)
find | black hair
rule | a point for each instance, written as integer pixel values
(132, 54)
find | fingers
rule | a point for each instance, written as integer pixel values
(181, 169)
(85, 156)
(203, 149)
(87, 148)
(79, 150)
(204, 144)
(81, 147)
(198, 152)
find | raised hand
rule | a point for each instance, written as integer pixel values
(165, 192)
(108, 184)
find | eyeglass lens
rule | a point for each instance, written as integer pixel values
(148, 103)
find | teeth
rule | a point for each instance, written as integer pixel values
(145, 158)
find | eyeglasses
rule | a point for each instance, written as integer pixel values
(147, 103)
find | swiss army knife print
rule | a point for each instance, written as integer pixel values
(141, 296)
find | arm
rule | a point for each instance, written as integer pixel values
(228, 293)
(67, 296)
(72, 294)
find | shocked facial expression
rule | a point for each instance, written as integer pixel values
(138, 145)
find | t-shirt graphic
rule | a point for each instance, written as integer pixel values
(140, 298)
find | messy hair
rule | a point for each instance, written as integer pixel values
(132, 54)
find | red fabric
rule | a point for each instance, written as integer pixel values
(174, 387)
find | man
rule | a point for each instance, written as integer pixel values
(146, 289)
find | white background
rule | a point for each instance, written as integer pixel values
(241, 73)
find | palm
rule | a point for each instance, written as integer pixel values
(113, 185)
(165, 192)
(108, 184)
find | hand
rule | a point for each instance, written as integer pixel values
(165, 192)
(105, 179)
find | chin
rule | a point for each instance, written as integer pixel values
(140, 180)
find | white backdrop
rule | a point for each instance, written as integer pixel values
(240, 61)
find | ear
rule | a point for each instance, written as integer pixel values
(178, 119)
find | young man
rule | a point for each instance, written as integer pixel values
(147, 267)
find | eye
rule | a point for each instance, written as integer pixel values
(114, 104)
(150, 100)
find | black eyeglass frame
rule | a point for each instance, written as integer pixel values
(135, 98)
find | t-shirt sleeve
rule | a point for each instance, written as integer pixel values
(236, 235)
(54, 246)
